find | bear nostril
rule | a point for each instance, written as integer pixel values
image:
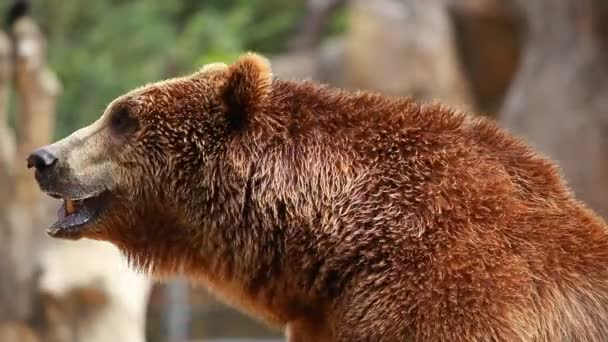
(40, 159)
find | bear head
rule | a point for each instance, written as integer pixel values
(148, 169)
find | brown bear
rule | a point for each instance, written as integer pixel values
(341, 216)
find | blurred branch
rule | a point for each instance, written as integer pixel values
(318, 13)
(16, 266)
(8, 287)
(6, 139)
(41, 284)
(21, 60)
(5, 75)
(38, 89)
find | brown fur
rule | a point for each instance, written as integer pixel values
(352, 216)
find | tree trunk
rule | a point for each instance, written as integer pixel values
(406, 48)
(14, 299)
(51, 290)
(7, 140)
(19, 213)
(397, 47)
(177, 314)
(7, 288)
(558, 100)
(38, 89)
(488, 34)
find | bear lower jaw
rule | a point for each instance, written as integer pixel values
(74, 217)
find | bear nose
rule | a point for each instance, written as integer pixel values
(41, 159)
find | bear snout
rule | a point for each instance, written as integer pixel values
(45, 163)
(41, 159)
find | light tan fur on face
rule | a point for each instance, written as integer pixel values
(84, 157)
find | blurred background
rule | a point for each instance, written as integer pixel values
(539, 68)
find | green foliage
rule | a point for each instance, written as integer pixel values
(338, 23)
(99, 56)
(102, 48)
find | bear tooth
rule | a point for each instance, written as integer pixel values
(69, 206)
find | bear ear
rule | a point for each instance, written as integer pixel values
(247, 87)
(213, 68)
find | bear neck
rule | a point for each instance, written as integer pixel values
(248, 215)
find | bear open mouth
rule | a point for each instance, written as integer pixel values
(75, 215)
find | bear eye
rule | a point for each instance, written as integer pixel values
(121, 120)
